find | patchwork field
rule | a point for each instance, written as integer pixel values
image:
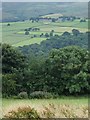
(15, 34)
(63, 107)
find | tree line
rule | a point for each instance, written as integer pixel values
(55, 41)
(65, 71)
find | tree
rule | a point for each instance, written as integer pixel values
(66, 34)
(35, 36)
(66, 71)
(8, 24)
(13, 67)
(12, 59)
(41, 34)
(53, 20)
(8, 85)
(56, 42)
(51, 33)
(46, 35)
(82, 20)
(27, 33)
(75, 32)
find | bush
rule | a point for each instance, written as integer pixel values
(23, 95)
(41, 95)
(8, 24)
(25, 112)
(26, 33)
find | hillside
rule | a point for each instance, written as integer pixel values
(24, 10)
(15, 33)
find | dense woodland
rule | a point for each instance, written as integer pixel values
(55, 42)
(58, 66)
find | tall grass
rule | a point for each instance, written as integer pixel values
(48, 108)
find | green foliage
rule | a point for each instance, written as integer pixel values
(66, 33)
(13, 67)
(53, 20)
(26, 33)
(75, 32)
(8, 85)
(12, 59)
(15, 34)
(41, 95)
(68, 67)
(51, 33)
(23, 95)
(25, 112)
(56, 42)
(8, 24)
(46, 35)
(65, 71)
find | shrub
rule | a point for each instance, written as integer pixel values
(35, 36)
(41, 95)
(26, 33)
(25, 112)
(22, 95)
(8, 24)
(66, 34)
(46, 35)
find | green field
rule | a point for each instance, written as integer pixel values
(15, 34)
(52, 15)
(74, 103)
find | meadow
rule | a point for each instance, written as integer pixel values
(15, 34)
(64, 107)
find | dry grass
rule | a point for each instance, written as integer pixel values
(65, 111)
(51, 110)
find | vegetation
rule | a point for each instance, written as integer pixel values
(26, 33)
(15, 33)
(64, 72)
(22, 11)
(26, 112)
(63, 107)
(55, 42)
(41, 95)
(45, 60)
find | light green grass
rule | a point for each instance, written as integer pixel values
(52, 15)
(65, 100)
(29, 41)
(15, 34)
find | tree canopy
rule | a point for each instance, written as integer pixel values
(65, 71)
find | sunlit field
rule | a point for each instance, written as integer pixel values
(62, 107)
(15, 34)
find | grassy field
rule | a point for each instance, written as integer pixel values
(78, 106)
(15, 34)
(52, 15)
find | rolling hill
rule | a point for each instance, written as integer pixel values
(25, 10)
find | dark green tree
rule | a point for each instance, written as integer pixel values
(13, 67)
(75, 32)
(46, 35)
(12, 59)
(27, 33)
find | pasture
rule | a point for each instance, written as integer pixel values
(52, 15)
(15, 34)
(73, 106)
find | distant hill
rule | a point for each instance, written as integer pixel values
(25, 10)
